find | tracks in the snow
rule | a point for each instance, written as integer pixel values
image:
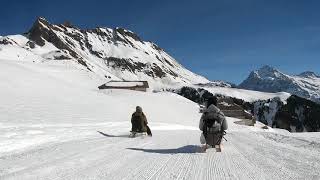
(164, 156)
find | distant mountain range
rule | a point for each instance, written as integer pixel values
(117, 53)
(269, 79)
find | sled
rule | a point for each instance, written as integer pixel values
(218, 148)
(137, 134)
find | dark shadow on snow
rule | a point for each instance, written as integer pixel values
(110, 135)
(189, 149)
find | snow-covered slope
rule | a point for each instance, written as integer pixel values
(50, 114)
(49, 95)
(247, 95)
(112, 53)
(268, 79)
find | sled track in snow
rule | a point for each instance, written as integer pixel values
(66, 158)
(166, 155)
(263, 159)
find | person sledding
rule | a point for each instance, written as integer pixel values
(139, 123)
(213, 125)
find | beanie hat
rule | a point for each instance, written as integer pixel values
(138, 109)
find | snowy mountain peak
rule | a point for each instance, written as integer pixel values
(309, 74)
(268, 72)
(115, 53)
(269, 79)
(267, 68)
(125, 32)
(39, 31)
(40, 21)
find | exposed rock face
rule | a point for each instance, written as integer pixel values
(5, 41)
(40, 32)
(217, 84)
(297, 115)
(58, 55)
(230, 106)
(31, 44)
(116, 53)
(266, 110)
(268, 79)
(191, 94)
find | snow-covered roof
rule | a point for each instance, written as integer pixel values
(125, 84)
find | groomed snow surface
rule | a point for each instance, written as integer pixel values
(50, 115)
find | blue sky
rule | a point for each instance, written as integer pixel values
(220, 39)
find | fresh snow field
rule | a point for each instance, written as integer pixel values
(50, 115)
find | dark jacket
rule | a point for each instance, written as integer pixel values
(139, 122)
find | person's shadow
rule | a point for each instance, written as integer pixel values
(110, 135)
(189, 149)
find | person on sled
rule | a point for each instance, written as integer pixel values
(139, 123)
(213, 125)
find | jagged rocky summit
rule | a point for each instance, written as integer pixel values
(117, 53)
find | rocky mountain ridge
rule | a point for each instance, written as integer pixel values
(114, 53)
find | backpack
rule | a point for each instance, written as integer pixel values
(212, 123)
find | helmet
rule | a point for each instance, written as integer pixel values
(138, 109)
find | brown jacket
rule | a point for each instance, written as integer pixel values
(139, 122)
